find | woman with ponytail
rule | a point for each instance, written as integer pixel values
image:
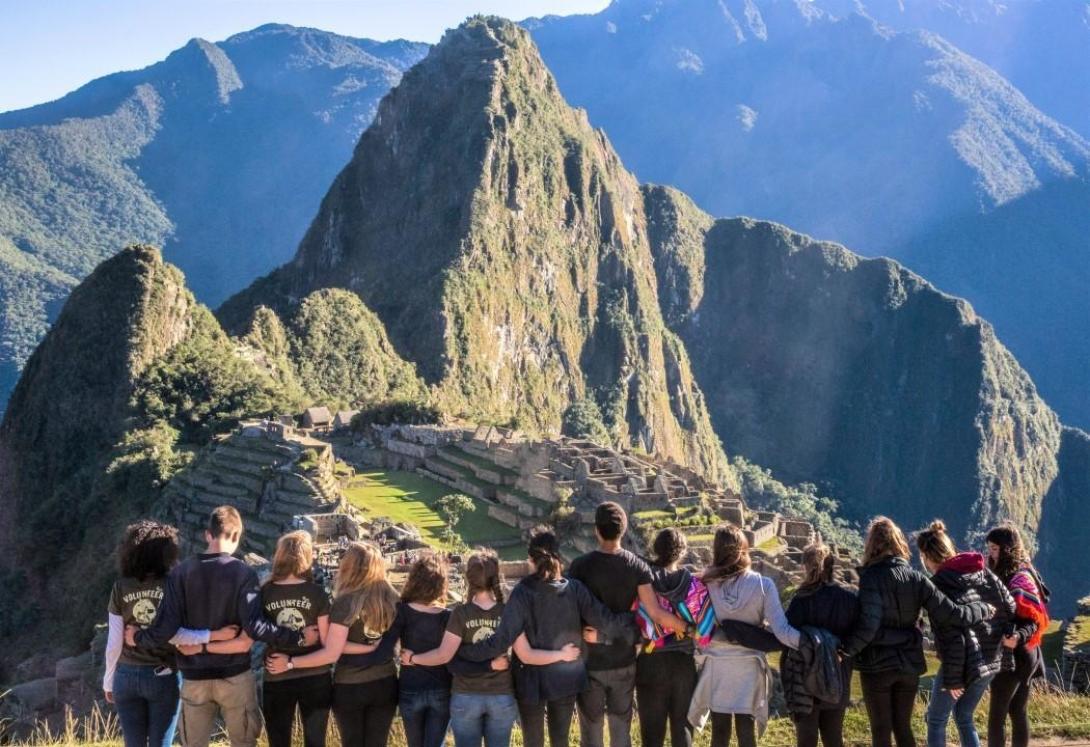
(970, 656)
(482, 706)
(887, 643)
(1022, 661)
(822, 602)
(550, 612)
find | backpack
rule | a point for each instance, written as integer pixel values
(696, 610)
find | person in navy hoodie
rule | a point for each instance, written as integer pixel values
(970, 655)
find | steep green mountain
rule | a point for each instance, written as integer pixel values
(174, 154)
(504, 248)
(133, 375)
(888, 139)
(852, 373)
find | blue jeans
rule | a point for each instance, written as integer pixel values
(147, 705)
(942, 703)
(425, 715)
(474, 717)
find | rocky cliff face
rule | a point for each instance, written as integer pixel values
(505, 249)
(853, 373)
(1063, 533)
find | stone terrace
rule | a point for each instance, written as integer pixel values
(523, 481)
(266, 470)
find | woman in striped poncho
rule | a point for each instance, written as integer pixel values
(1022, 659)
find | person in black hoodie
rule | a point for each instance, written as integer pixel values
(970, 656)
(551, 610)
(821, 602)
(666, 675)
(208, 592)
(892, 595)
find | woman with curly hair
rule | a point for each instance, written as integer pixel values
(143, 683)
(1022, 661)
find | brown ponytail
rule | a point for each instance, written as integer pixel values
(483, 574)
(544, 551)
(818, 563)
(935, 544)
(730, 554)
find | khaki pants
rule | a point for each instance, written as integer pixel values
(234, 697)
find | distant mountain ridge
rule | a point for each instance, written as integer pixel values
(895, 143)
(255, 126)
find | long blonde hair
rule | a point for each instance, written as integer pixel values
(362, 572)
(884, 540)
(294, 556)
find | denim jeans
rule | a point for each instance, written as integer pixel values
(942, 703)
(477, 716)
(426, 715)
(147, 705)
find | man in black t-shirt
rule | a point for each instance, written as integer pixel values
(618, 578)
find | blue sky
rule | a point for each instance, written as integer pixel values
(50, 47)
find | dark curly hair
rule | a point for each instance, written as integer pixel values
(148, 550)
(668, 547)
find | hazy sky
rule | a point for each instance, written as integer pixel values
(50, 47)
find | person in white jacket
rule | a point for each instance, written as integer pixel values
(143, 683)
(734, 680)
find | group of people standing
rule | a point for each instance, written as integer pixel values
(613, 635)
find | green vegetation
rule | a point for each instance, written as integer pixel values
(452, 508)
(583, 419)
(764, 492)
(397, 411)
(406, 497)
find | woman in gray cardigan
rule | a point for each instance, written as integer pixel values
(735, 680)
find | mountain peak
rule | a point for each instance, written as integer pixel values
(504, 247)
(199, 63)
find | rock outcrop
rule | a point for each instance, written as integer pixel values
(505, 249)
(853, 373)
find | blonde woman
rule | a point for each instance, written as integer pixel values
(291, 599)
(365, 679)
(734, 680)
(887, 644)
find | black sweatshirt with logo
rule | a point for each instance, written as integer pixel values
(210, 591)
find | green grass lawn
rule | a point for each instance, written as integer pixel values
(407, 497)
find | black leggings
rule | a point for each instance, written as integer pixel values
(313, 695)
(889, 697)
(534, 715)
(664, 688)
(828, 723)
(1010, 697)
(743, 724)
(364, 712)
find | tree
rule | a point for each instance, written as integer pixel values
(583, 419)
(452, 508)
